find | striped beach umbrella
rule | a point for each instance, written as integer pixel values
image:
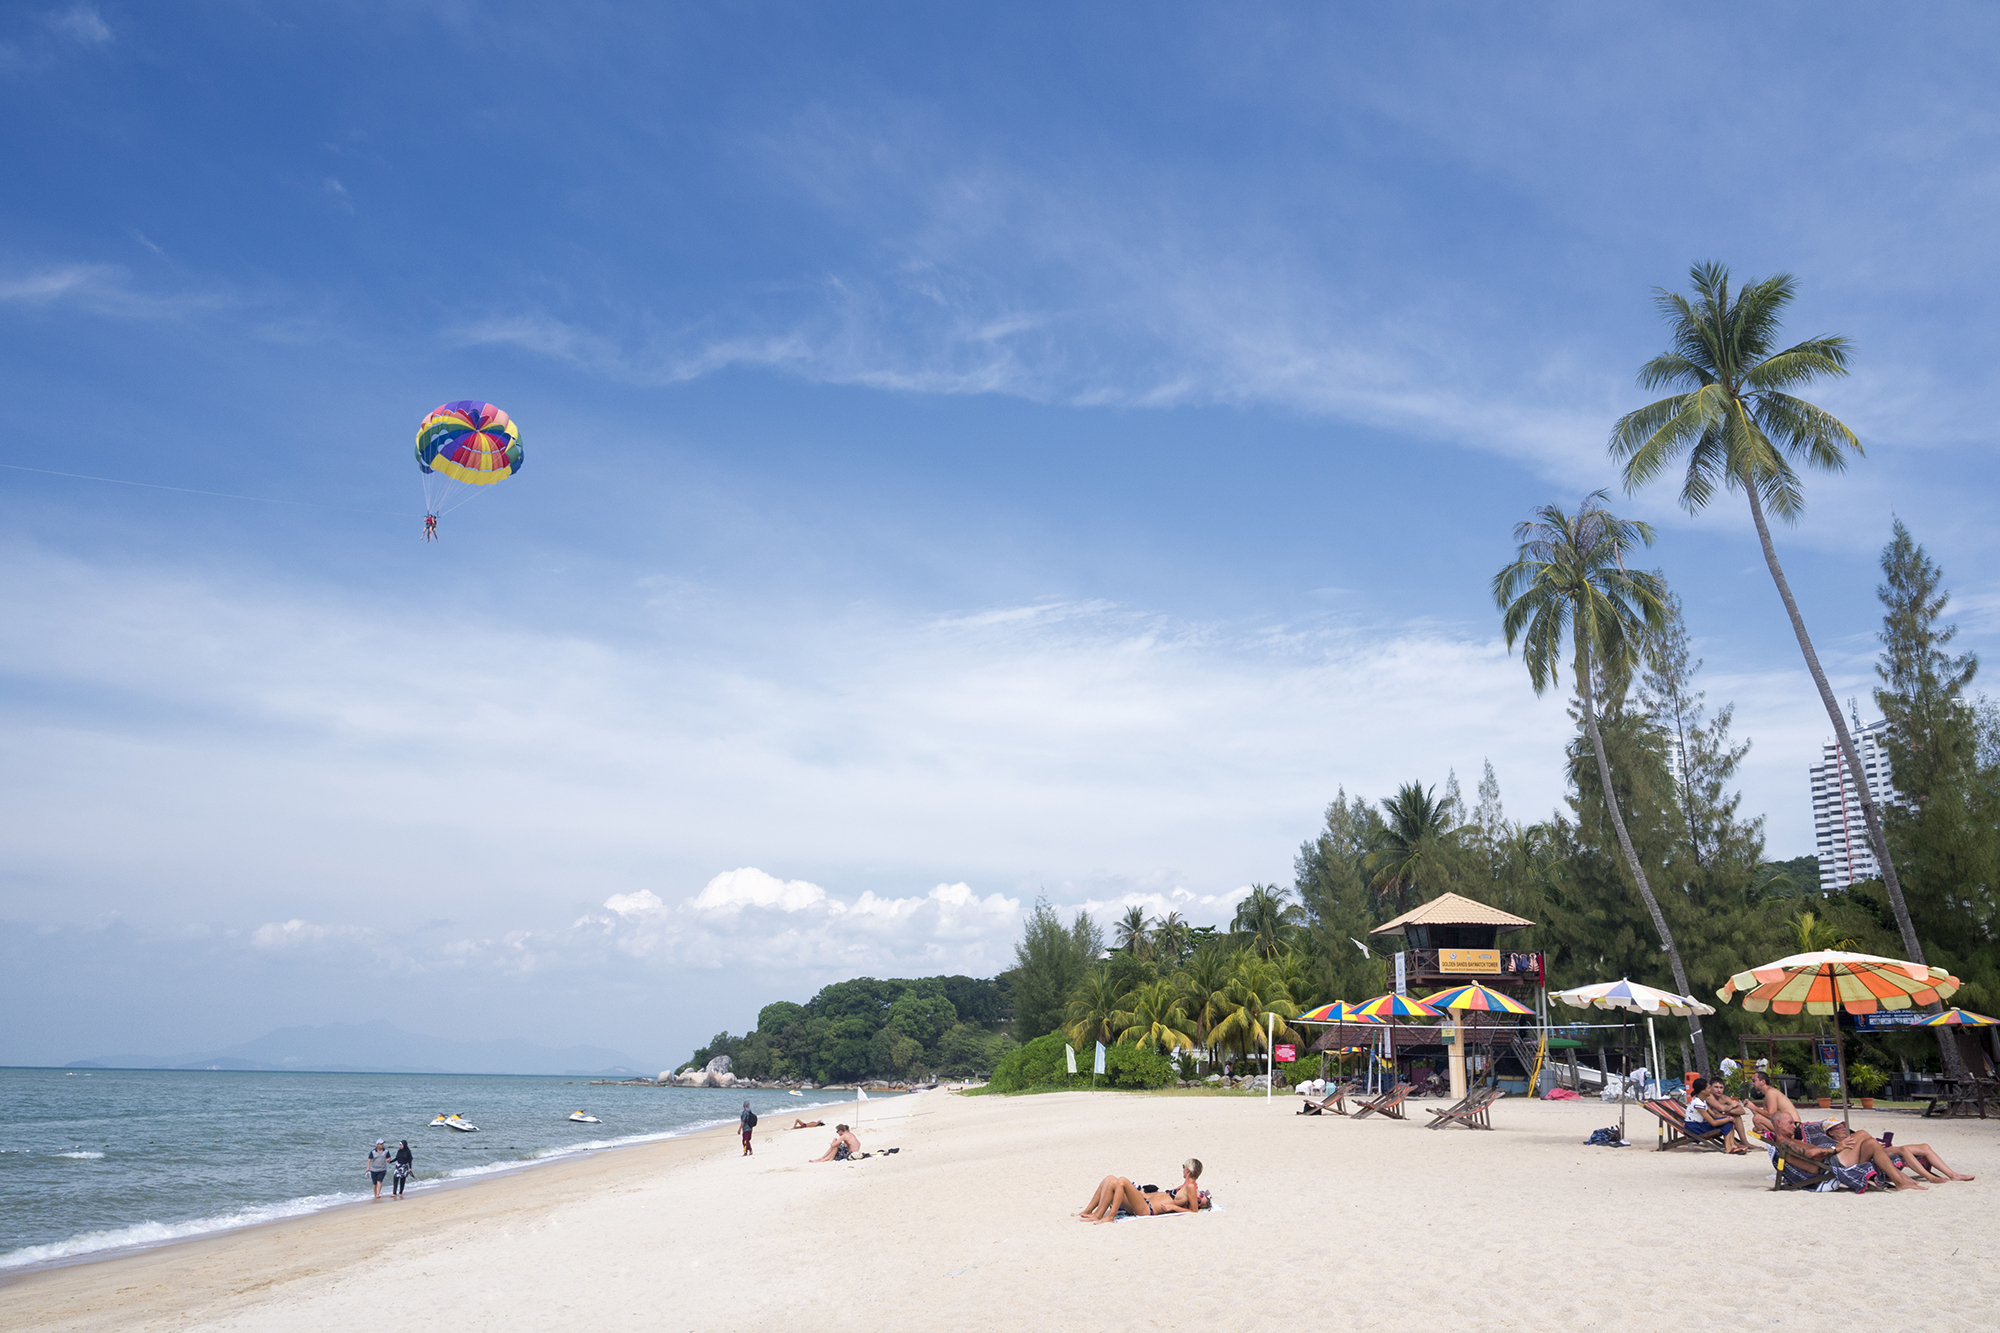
(1959, 1018)
(1633, 995)
(1476, 998)
(1340, 1011)
(1386, 1007)
(1820, 982)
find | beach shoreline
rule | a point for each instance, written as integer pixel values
(419, 1188)
(1392, 1224)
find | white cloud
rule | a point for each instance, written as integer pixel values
(80, 23)
(734, 890)
(99, 289)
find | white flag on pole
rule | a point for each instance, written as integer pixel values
(1098, 1068)
(861, 1094)
(1069, 1054)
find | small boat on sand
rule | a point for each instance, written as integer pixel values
(583, 1119)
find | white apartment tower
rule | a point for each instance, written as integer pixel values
(1845, 854)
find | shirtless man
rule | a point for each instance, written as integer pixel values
(1116, 1194)
(1765, 1103)
(1918, 1159)
(1849, 1159)
(844, 1146)
(806, 1124)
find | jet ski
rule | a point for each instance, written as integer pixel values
(439, 1122)
(457, 1122)
(796, 1093)
(583, 1119)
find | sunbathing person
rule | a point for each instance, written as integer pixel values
(1707, 1111)
(1850, 1161)
(806, 1124)
(844, 1146)
(1116, 1194)
(1918, 1159)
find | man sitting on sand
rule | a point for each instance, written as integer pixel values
(1708, 1110)
(1918, 1159)
(844, 1146)
(806, 1124)
(1851, 1160)
(1116, 1194)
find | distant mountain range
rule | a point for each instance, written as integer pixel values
(380, 1047)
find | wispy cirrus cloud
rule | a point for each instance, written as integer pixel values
(100, 289)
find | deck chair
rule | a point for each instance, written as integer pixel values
(1389, 1103)
(1336, 1100)
(1818, 1172)
(1475, 1112)
(1673, 1127)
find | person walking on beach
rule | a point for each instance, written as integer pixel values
(406, 1161)
(748, 1121)
(378, 1164)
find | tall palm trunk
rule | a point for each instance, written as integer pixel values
(1947, 1042)
(1632, 857)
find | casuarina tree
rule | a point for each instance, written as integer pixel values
(1568, 592)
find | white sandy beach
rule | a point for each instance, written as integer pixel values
(1376, 1224)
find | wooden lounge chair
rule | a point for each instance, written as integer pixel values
(1336, 1100)
(1389, 1103)
(1475, 1112)
(1673, 1128)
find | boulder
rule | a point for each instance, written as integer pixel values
(721, 1064)
(666, 1076)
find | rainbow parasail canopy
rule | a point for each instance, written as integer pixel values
(471, 442)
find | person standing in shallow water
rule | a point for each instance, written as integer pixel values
(747, 1121)
(406, 1162)
(378, 1164)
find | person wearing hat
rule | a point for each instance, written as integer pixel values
(378, 1164)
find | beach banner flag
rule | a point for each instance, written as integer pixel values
(1069, 1054)
(861, 1094)
(1098, 1068)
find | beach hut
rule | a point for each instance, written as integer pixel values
(1452, 940)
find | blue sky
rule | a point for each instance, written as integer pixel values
(967, 456)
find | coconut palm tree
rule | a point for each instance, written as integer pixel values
(1255, 989)
(1092, 1012)
(1155, 1016)
(1569, 580)
(1268, 919)
(1205, 983)
(1133, 934)
(1414, 851)
(1170, 938)
(1741, 429)
(1813, 935)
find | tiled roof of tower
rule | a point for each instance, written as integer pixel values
(1452, 909)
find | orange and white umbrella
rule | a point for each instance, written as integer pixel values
(1820, 982)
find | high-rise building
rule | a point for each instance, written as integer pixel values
(1845, 854)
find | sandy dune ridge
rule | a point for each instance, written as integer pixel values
(1379, 1224)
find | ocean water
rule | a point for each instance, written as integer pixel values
(101, 1160)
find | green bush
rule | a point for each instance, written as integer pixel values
(1737, 1084)
(1131, 1067)
(1037, 1065)
(1867, 1079)
(1818, 1080)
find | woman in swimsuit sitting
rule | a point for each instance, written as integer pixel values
(1116, 1194)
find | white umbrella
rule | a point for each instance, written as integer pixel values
(1633, 997)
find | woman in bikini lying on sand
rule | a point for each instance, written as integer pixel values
(1117, 1195)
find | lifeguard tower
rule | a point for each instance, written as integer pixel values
(1450, 941)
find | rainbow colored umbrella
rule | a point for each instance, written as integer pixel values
(1340, 1011)
(1820, 982)
(1829, 979)
(1385, 1007)
(1477, 999)
(1956, 1018)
